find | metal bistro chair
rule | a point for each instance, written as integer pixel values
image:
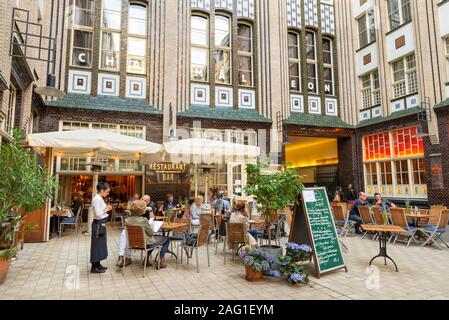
(136, 239)
(365, 215)
(399, 219)
(236, 236)
(178, 234)
(71, 221)
(201, 241)
(209, 219)
(117, 213)
(341, 221)
(434, 233)
(220, 233)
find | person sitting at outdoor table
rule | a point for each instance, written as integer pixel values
(378, 201)
(223, 207)
(170, 203)
(239, 215)
(151, 209)
(354, 215)
(137, 209)
(77, 202)
(195, 211)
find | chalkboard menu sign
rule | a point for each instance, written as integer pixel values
(314, 224)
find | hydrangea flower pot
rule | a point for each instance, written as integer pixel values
(252, 275)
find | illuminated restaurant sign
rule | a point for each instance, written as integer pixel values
(167, 171)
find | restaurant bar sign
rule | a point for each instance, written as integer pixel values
(167, 171)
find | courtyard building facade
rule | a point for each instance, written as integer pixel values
(348, 92)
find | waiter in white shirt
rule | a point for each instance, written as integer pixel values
(99, 247)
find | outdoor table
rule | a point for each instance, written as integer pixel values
(65, 213)
(416, 218)
(384, 232)
(255, 222)
(169, 227)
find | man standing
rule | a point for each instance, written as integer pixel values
(351, 195)
(354, 215)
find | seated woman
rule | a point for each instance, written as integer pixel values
(239, 215)
(137, 209)
(195, 210)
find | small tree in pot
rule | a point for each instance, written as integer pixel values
(24, 188)
(272, 191)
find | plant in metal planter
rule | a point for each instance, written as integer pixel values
(291, 264)
(273, 191)
(24, 188)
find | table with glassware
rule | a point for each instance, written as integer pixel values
(59, 213)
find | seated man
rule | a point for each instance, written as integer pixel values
(137, 209)
(151, 208)
(222, 206)
(354, 215)
(170, 203)
(378, 201)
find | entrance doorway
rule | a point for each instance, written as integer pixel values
(316, 159)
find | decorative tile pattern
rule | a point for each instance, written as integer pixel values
(296, 103)
(200, 95)
(224, 4)
(79, 81)
(245, 8)
(311, 13)
(201, 4)
(108, 84)
(376, 112)
(413, 102)
(315, 105)
(365, 115)
(331, 107)
(135, 87)
(294, 13)
(223, 97)
(398, 105)
(247, 99)
(327, 19)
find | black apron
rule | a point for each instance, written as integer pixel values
(99, 243)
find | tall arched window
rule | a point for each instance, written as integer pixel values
(328, 67)
(294, 61)
(245, 54)
(199, 48)
(311, 62)
(110, 35)
(137, 44)
(223, 49)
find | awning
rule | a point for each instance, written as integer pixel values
(204, 151)
(105, 143)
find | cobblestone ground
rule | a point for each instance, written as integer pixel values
(59, 269)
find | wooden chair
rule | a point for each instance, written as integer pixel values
(434, 216)
(236, 236)
(341, 221)
(434, 232)
(367, 218)
(201, 241)
(399, 219)
(136, 239)
(377, 215)
(220, 232)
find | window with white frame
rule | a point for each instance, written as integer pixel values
(110, 35)
(199, 48)
(370, 89)
(312, 79)
(394, 164)
(82, 33)
(223, 49)
(137, 43)
(134, 131)
(328, 67)
(405, 81)
(367, 29)
(294, 55)
(245, 54)
(11, 112)
(399, 12)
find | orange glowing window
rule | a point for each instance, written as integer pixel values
(406, 143)
(377, 147)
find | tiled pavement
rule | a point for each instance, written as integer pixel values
(49, 271)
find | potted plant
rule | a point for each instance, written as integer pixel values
(291, 265)
(24, 187)
(273, 192)
(256, 262)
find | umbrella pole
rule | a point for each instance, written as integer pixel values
(196, 180)
(206, 190)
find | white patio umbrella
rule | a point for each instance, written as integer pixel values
(104, 142)
(99, 142)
